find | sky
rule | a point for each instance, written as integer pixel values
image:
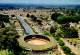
(51, 2)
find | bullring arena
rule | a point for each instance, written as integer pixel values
(38, 44)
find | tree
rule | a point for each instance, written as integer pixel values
(34, 18)
(39, 22)
(52, 29)
(12, 15)
(69, 32)
(4, 18)
(55, 15)
(2, 24)
(28, 15)
(67, 19)
(66, 49)
(61, 43)
(8, 41)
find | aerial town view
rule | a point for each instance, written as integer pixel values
(40, 27)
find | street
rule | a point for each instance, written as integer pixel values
(26, 27)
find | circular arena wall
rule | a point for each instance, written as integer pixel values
(38, 44)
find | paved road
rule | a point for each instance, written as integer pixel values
(26, 27)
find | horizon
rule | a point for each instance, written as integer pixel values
(42, 2)
(39, 4)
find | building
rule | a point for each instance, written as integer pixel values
(38, 45)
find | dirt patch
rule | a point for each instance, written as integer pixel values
(37, 41)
